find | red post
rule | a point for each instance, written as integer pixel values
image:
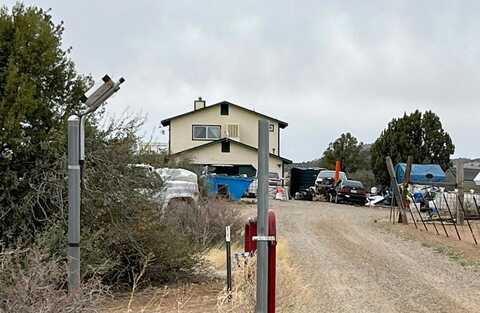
(247, 239)
(272, 256)
(250, 230)
(253, 232)
(337, 170)
(250, 246)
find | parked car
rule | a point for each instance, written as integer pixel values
(179, 186)
(274, 181)
(325, 184)
(350, 191)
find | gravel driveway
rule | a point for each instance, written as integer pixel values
(352, 265)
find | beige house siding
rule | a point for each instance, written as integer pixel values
(181, 128)
(238, 155)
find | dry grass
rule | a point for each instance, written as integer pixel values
(188, 298)
(31, 282)
(469, 252)
(291, 293)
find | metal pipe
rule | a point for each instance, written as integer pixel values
(229, 259)
(262, 223)
(411, 213)
(73, 204)
(476, 204)
(431, 219)
(451, 216)
(419, 213)
(465, 217)
(439, 217)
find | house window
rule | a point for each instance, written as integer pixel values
(271, 127)
(226, 146)
(206, 132)
(224, 109)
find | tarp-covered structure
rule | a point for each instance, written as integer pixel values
(423, 174)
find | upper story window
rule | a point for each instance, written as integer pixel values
(224, 109)
(206, 132)
(226, 146)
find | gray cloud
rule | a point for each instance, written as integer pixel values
(323, 66)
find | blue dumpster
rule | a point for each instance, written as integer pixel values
(233, 186)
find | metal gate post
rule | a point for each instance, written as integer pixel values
(262, 219)
(73, 204)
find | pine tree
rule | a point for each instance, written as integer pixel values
(39, 88)
(419, 135)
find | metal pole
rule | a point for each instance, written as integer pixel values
(439, 216)
(464, 215)
(411, 213)
(73, 204)
(229, 259)
(396, 191)
(419, 213)
(476, 204)
(460, 181)
(451, 216)
(262, 223)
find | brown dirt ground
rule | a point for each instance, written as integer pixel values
(464, 248)
(352, 260)
(354, 264)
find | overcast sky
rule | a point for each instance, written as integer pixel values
(325, 67)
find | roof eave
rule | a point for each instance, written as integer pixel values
(281, 124)
(287, 161)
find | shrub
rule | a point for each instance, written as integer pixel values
(31, 281)
(204, 224)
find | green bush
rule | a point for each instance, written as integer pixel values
(121, 226)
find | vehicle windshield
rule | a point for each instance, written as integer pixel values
(331, 174)
(353, 183)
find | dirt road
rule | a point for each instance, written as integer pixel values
(352, 265)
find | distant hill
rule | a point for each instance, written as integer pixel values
(472, 163)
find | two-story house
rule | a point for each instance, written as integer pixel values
(224, 136)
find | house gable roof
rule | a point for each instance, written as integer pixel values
(281, 124)
(287, 161)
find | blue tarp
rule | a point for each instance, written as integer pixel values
(421, 173)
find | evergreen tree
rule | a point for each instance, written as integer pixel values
(39, 88)
(419, 135)
(347, 150)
